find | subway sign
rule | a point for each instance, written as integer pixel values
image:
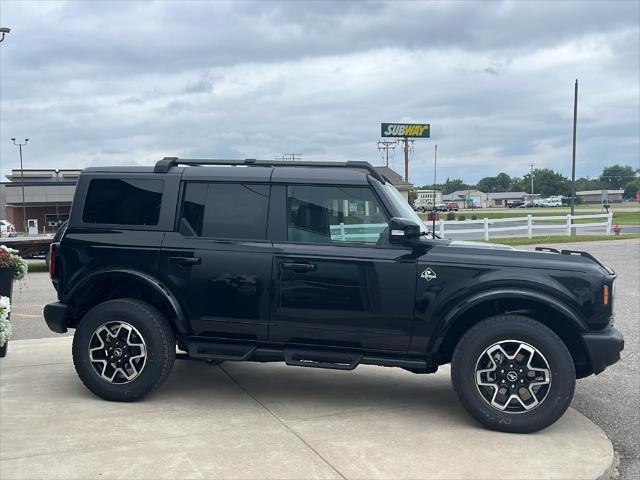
(416, 130)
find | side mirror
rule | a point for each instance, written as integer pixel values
(402, 230)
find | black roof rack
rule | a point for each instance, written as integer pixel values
(164, 165)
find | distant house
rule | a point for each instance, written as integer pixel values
(425, 198)
(467, 198)
(600, 196)
(503, 199)
(396, 180)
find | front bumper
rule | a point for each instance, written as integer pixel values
(603, 347)
(55, 314)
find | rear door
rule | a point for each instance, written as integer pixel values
(218, 261)
(337, 280)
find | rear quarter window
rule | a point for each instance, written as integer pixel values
(113, 201)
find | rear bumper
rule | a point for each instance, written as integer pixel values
(603, 347)
(55, 314)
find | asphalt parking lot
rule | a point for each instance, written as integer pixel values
(611, 400)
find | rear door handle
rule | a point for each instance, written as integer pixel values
(300, 267)
(185, 261)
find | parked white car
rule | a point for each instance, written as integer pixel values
(7, 229)
(551, 202)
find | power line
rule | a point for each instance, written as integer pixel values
(386, 145)
(289, 157)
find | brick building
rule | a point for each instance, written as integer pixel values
(47, 197)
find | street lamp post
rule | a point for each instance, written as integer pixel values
(435, 163)
(24, 205)
(57, 209)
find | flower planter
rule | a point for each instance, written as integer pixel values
(6, 282)
(6, 288)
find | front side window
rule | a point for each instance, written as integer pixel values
(114, 201)
(319, 214)
(225, 210)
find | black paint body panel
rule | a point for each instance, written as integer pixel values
(359, 298)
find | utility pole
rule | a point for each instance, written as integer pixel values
(573, 164)
(532, 166)
(387, 145)
(433, 215)
(24, 206)
(406, 141)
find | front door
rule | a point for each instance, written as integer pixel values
(219, 262)
(337, 280)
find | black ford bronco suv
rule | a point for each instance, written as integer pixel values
(319, 264)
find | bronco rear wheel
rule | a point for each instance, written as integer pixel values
(513, 374)
(123, 349)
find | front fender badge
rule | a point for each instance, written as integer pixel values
(428, 275)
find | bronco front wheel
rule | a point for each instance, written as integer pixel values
(513, 374)
(123, 349)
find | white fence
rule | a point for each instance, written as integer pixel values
(532, 223)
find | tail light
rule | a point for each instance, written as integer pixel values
(53, 261)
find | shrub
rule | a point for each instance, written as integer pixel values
(451, 216)
(9, 258)
(462, 217)
(474, 217)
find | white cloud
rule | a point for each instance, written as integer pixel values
(130, 82)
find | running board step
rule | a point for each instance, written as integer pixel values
(220, 351)
(322, 359)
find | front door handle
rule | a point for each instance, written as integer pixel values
(300, 267)
(185, 261)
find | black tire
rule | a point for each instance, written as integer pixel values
(158, 338)
(513, 327)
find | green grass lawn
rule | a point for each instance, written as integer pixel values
(561, 239)
(38, 266)
(621, 217)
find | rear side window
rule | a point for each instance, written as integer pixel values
(123, 202)
(225, 210)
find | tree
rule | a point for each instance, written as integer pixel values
(488, 184)
(413, 195)
(588, 184)
(454, 185)
(631, 189)
(617, 176)
(546, 182)
(499, 183)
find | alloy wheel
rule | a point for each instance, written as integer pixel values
(118, 352)
(513, 376)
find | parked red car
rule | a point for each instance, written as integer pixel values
(452, 206)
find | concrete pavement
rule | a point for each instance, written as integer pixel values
(268, 421)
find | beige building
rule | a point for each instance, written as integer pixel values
(47, 197)
(600, 196)
(504, 199)
(467, 198)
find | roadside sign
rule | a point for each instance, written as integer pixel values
(405, 130)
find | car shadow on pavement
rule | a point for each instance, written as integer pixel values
(295, 393)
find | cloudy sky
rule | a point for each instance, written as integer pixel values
(96, 83)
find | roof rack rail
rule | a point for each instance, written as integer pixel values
(165, 165)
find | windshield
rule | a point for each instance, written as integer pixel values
(404, 209)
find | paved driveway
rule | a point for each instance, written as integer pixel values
(611, 400)
(269, 421)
